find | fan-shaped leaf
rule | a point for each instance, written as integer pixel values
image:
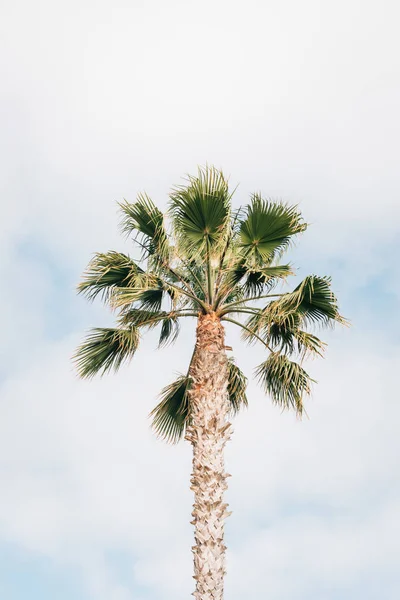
(151, 299)
(312, 301)
(147, 221)
(268, 229)
(201, 211)
(283, 335)
(106, 272)
(148, 292)
(169, 330)
(172, 413)
(285, 381)
(236, 387)
(138, 317)
(105, 349)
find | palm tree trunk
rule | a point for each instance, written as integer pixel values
(208, 433)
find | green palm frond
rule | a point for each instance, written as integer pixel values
(312, 301)
(253, 282)
(280, 336)
(197, 276)
(287, 338)
(229, 288)
(285, 381)
(265, 279)
(169, 330)
(151, 299)
(107, 271)
(145, 220)
(237, 384)
(201, 212)
(105, 349)
(255, 327)
(284, 335)
(169, 321)
(308, 344)
(268, 229)
(139, 317)
(148, 291)
(171, 415)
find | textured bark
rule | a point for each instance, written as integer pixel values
(208, 433)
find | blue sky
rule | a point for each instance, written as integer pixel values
(101, 101)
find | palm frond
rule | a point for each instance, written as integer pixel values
(169, 330)
(263, 280)
(145, 220)
(229, 286)
(139, 317)
(256, 281)
(280, 336)
(285, 381)
(254, 327)
(105, 349)
(237, 384)
(268, 229)
(283, 335)
(309, 344)
(151, 299)
(312, 301)
(148, 291)
(286, 337)
(107, 271)
(201, 211)
(196, 275)
(171, 415)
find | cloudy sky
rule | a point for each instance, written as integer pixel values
(101, 100)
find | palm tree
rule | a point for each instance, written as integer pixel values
(206, 261)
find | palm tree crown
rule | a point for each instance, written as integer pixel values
(205, 257)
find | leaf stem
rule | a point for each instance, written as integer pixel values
(209, 273)
(239, 324)
(245, 310)
(252, 298)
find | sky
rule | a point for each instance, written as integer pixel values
(102, 100)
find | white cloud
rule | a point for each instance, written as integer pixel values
(301, 556)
